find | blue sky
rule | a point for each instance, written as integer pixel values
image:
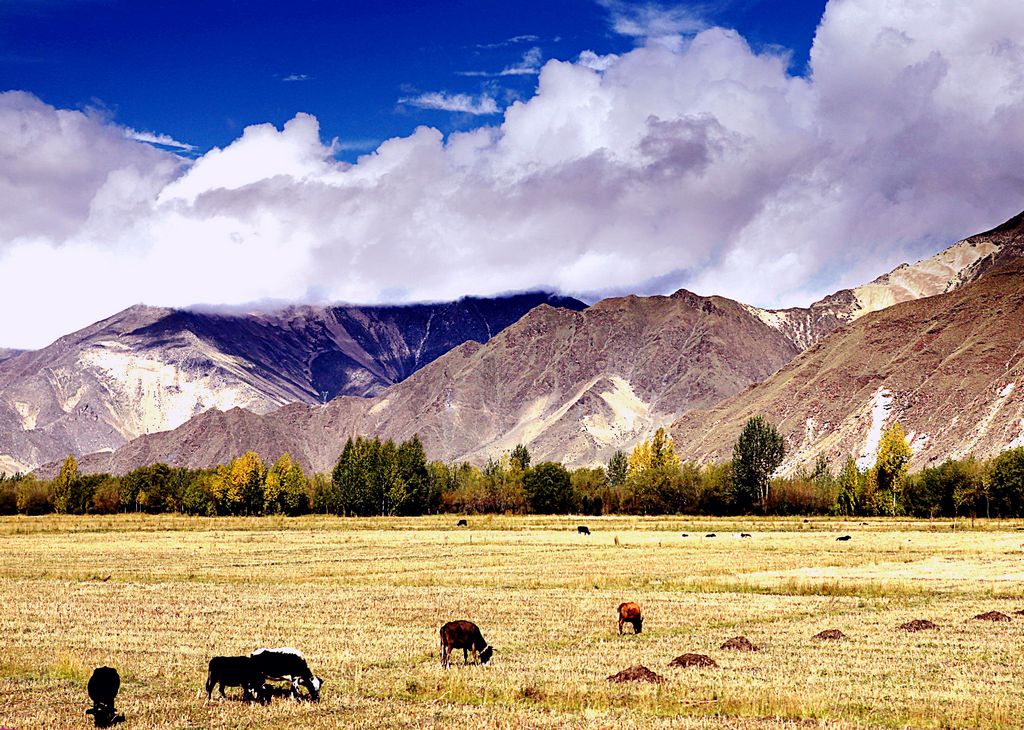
(200, 71)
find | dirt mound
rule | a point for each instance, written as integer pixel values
(992, 616)
(693, 660)
(739, 643)
(639, 673)
(918, 625)
(831, 635)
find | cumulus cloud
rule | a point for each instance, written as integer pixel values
(296, 77)
(697, 163)
(443, 101)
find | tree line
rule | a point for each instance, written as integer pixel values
(373, 477)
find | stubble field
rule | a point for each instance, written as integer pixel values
(156, 597)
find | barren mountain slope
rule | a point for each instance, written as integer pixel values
(148, 369)
(957, 265)
(950, 368)
(574, 386)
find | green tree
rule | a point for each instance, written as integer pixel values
(1006, 483)
(618, 469)
(284, 491)
(64, 484)
(849, 487)
(755, 457)
(548, 487)
(891, 467)
(520, 457)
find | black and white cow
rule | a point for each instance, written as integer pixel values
(236, 671)
(103, 687)
(285, 664)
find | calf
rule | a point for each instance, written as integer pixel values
(464, 635)
(284, 664)
(629, 612)
(583, 530)
(236, 671)
(843, 538)
(462, 523)
(103, 686)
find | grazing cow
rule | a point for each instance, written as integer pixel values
(287, 665)
(629, 612)
(844, 538)
(103, 686)
(583, 530)
(236, 671)
(711, 534)
(462, 523)
(464, 635)
(744, 534)
(685, 534)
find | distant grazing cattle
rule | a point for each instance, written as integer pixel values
(629, 612)
(235, 671)
(711, 534)
(464, 635)
(103, 687)
(462, 523)
(844, 538)
(744, 534)
(287, 665)
(583, 530)
(685, 534)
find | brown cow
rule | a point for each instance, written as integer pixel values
(629, 612)
(464, 635)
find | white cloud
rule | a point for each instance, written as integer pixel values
(651, 21)
(529, 65)
(698, 163)
(163, 140)
(443, 101)
(296, 77)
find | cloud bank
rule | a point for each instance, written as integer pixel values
(698, 162)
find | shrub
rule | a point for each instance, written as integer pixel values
(106, 500)
(34, 497)
(8, 497)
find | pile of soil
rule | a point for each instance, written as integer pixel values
(739, 643)
(639, 673)
(992, 616)
(831, 635)
(693, 660)
(918, 625)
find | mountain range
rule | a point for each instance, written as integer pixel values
(573, 383)
(150, 369)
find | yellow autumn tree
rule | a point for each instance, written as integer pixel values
(890, 470)
(284, 490)
(654, 453)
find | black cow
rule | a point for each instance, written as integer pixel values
(583, 530)
(711, 534)
(288, 665)
(236, 671)
(462, 523)
(103, 686)
(744, 534)
(464, 635)
(844, 538)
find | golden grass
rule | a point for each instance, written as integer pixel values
(157, 596)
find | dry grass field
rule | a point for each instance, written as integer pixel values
(156, 597)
